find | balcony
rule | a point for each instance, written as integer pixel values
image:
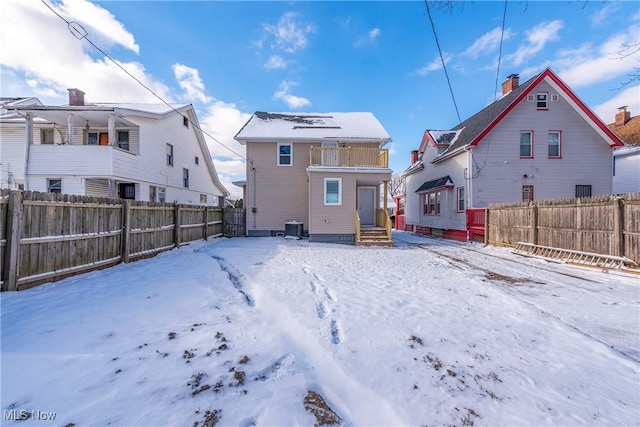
(349, 157)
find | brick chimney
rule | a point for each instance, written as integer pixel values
(414, 156)
(76, 97)
(512, 83)
(622, 116)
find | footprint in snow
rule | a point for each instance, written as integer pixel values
(335, 333)
(279, 368)
(321, 308)
(330, 294)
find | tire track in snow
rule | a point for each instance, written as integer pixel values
(235, 277)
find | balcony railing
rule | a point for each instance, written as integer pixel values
(349, 157)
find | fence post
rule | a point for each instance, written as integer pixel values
(177, 220)
(618, 227)
(12, 252)
(486, 226)
(534, 224)
(206, 222)
(126, 230)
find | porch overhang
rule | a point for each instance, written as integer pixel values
(442, 183)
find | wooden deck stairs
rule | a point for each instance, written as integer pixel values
(374, 236)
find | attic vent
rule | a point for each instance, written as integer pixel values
(316, 127)
(530, 98)
(554, 97)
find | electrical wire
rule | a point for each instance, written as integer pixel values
(433, 28)
(80, 33)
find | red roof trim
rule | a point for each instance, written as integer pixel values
(425, 139)
(616, 142)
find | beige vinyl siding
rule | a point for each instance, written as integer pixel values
(281, 192)
(339, 219)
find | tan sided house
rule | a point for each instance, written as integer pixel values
(327, 171)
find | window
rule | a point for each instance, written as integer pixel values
(203, 198)
(54, 186)
(527, 193)
(185, 121)
(583, 191)
(284, 154)
(460, 199)
(92, 138)
(185, 177)
(153, 193)
(554, 145)
(432, 203)
(47, 136)
(162, 194)
(169, 155)
(542, 101)
(333, 191)
(127, 190)
(526, 144)
(123, 139)
(197, 160)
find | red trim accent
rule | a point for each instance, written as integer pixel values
(532, 198)
(453, 234)
(532, 139)
(458, 199)
(559, 156)
(615, 140)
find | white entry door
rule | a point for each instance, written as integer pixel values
(367, 206)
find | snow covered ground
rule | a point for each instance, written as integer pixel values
(238, 332)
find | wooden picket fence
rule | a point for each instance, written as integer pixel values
(607, 225)
(46, 237)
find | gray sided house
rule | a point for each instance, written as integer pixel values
(538, 141)
(327, 171)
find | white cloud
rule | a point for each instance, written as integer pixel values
(434, 65)
(275, 62)
(487, 43)
(536, 39)
(630, 97)
(289, 34)
(100, 23)
(189, 80)
(63, 61)
(588, 64)
(293, 101)
(604, 13)
(222, 121)
(369, 38)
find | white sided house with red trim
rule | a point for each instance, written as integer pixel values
(538, 141)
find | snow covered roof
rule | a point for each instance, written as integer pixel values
(361, 126)
(435, 183)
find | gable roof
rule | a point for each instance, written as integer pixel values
(629, 132)
(312, 127)
(476, 127)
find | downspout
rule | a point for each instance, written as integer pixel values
(254, 207)
(29, 140)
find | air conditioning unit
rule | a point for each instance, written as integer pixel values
(293, 229)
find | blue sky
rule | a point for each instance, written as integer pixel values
(230, 59)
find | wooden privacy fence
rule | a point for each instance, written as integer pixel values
(46, 237)
(234, 222)
(607, 225)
